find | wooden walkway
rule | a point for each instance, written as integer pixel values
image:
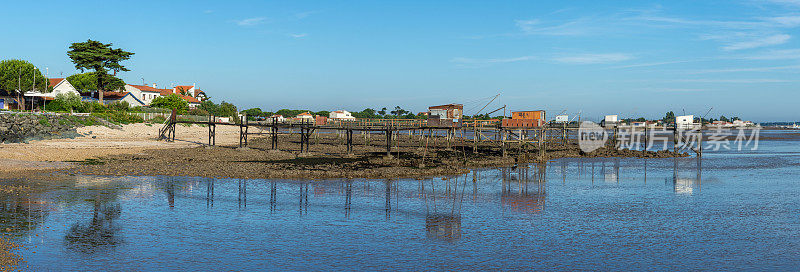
(476, 132)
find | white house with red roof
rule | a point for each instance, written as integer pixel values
(146, 93)
(305, 115)
(341, 115)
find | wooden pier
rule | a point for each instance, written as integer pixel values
(474, 132)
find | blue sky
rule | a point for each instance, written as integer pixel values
(633, 58)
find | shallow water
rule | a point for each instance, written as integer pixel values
(732, 210)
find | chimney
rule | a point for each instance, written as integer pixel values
(154, 86)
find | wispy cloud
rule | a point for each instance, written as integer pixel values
(251, 21)
(593, 58)
(751, 69)
(298, 35)
(786, 21)
(570, 28)
(759, 42)
(650, 64)
(490, 61)
(785, 2)
(774, 55)
(208, 11)
(736, 80)
(305, 14)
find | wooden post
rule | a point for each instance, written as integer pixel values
(302, 139)
(675, 139)
(541, 143)
(503, 141)
(388, 142)
(474, 138)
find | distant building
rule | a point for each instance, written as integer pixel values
(449, 115)
(276, 118)
(562, 118)
(525, 119)
(58, 86)
(305, 115)
(686, 122)
(341, 115)
(144, 93)
(113, 97)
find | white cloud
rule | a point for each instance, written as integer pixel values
(251, 21)
(752, 69)
(738, 80)
(786, 2)
(786, 21)
(571, 28)
(656, 63)
(303, 15)
(593, 58)
(299, 35)
(759, 42)
(489, 61)
(775, 55)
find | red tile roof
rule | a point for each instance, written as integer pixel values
(55, 81)
(146, 88)
(185, 88)
(114, 95)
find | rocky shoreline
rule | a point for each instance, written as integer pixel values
(19, 127)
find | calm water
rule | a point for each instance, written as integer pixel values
(736, 210)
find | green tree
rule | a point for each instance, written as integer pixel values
(172, 101)
(723, 118)
(253, 112)
(226, 109)
(99, 57)
(382, 112)
(87, 82)
(669, 117)
(322, 113)
(17, 77)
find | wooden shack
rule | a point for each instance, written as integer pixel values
(526, 119)
(449, 115)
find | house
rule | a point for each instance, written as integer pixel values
(113, 97)
(740, 123)
(305, 115)
(276, 118)
(57, 86)
(144, 93)
(610, 120)
(449, 115)
(562, 118)
(685, 122)
(525, 119)
(147, 93)
(341, 115)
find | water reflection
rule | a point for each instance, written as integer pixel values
(456, 209)
(443, 210)
(523, 192)
(686, 185)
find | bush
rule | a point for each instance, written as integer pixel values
(65, 102)
(119, 106)
(171, 101)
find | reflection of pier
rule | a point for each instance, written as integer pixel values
(686, 185)
(442, 226)
(522, 192)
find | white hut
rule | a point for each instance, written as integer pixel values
(341, 115)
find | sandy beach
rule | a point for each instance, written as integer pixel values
(99, 141)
